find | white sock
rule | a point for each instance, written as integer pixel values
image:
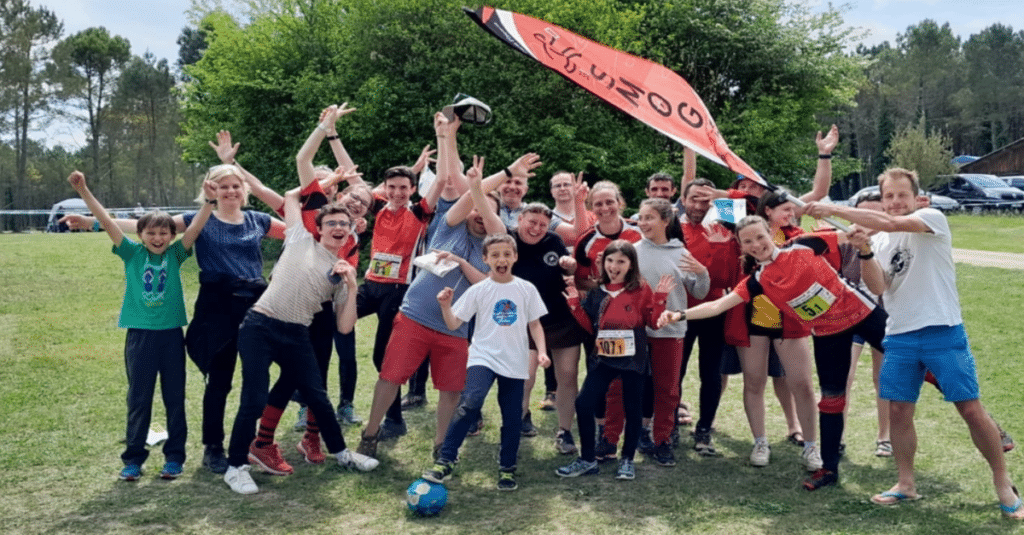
(809, 444)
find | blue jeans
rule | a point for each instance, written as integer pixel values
(510, 399)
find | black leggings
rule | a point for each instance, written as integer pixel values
(592, 395)
(710, 335)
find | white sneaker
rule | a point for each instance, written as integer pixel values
(761, 454)
(352, 459)
(238, 478)
(812, 458)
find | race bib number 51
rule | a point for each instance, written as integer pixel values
(385, 265)
(615, 343)
(814, 302)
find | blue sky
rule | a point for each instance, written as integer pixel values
(155, 25)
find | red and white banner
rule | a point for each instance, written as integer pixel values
(649, 92)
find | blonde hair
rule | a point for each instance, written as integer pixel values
(220, 172)
(899, 172)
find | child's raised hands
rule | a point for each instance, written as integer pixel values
(689, 264)
(571, 292)
(445, 296)
(77, 181)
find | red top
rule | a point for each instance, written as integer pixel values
(802, 281)
(593, 243)
(312, 198)
(395, 236)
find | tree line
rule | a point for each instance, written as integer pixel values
(770, 71)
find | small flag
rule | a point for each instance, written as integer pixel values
(726, 211)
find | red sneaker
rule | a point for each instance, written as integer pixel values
(269, 459)
(310, 449)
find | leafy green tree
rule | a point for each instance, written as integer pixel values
(25, 36)
(992, 99)
(147, 110)
(928, 153)
(399, 62)
(91, 60)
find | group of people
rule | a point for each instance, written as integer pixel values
(488, 288)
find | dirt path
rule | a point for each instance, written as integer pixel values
(989, 259)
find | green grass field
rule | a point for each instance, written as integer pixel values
(63, 387)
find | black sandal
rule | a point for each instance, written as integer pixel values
(791, 438)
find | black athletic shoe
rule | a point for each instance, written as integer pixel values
(214, 459)
(528, 429)
(646, 444)
(664, 455)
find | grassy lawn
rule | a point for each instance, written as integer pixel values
(63, 388)
(1003, 233)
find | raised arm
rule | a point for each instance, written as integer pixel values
(523, 167)
(870, 270)
(292, 208)
(304, 159)
(823, 174)
(340, 154)
(570, 233)
(492, 223)
(77, 180)
(689, 168)
(449, 171)
(702, 311)
(199, 221)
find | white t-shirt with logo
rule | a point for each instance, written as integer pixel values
(921, 277)
(503, 312)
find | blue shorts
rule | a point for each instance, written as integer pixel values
(943, 350)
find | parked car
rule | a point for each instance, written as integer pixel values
(981, 192)
(1016, 181)
(939, 202)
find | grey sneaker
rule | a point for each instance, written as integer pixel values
(240, 480)
(627, 471)
(391, 429)
(577, 468)
(300, 422)
(347, 414)
(439, 473)
(528, 429)
(564, 442)
(352, 459)
(703, 444)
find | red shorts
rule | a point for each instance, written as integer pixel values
(411, 343)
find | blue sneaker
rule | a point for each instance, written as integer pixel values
(171, 470)
(577, 468)
(131, 472)
(627, 471)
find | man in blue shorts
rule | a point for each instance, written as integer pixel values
(924, 331)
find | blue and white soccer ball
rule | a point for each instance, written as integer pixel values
(425, 498)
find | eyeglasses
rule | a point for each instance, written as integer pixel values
(336, 223)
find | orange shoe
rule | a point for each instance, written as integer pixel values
(269, 459)
(310, 449)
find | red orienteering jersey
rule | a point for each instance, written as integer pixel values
(721, 259)
(805, 286)
(593, 243)
(312, 198)
(395, 237)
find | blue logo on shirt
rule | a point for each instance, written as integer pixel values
(505, 312)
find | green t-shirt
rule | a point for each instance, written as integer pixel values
(152, 296)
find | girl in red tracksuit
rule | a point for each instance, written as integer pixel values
(616, 313)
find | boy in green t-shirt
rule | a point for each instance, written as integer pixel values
(153, 311)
